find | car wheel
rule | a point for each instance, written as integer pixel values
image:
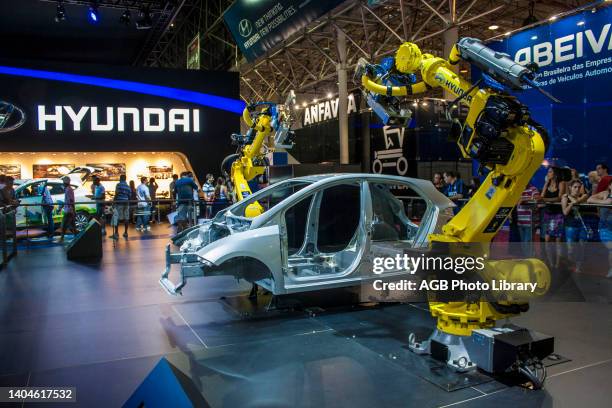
(81, 220)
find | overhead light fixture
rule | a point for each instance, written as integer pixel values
(534, 37)
(507, 33)
(126, 17)
(553, 18)
(493, 27)
(315, 100)
(531, 18)
(329, 95)
(304, 104)
(145, 22)
(60, 12)
(92, 13)
(580, 23)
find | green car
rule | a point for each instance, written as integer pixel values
(29, 193)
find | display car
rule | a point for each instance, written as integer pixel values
(29, 193)
(316, 232)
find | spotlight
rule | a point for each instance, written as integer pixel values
(534, 37)
(493, 27)
(304, 104)
(126, 17)
(580, 23)
(60, 12)
(145, 22)
(329, 95)
(92, 13)
(553, 18)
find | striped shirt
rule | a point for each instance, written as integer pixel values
(122, 191)
(527, 213)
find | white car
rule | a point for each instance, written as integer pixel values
(316, 232)
(29, 194)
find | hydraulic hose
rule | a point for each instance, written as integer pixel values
(246, 116)
(455, 56)
(372, 86)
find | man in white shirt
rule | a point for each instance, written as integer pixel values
(143, 210)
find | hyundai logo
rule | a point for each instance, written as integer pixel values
(11, 117)
(245, 28)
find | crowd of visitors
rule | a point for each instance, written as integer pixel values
(557, 210)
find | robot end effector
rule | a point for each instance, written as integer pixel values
(384, 95)
(500, 66)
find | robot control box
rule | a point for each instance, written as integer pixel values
(496, 350)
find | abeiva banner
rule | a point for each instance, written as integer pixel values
(257, 26)
(575, 59)
(59, 108)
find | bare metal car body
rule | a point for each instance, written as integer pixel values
(317, 232)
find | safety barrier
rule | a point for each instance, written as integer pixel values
(31, 215)
(157, 209)
(8, 234)
(586, 210)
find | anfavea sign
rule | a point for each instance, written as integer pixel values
(327, 110)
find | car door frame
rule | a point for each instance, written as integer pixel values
(293, 283)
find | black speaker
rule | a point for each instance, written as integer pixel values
(87, 245)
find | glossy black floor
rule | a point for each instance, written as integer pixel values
(102, 328)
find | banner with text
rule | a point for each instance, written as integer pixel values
(257, 26)
(575, 59)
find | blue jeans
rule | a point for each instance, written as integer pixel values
(575, 234)
(526, 234)
(48, 211)
(142, 219)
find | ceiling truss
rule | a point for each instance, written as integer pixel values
(307, 62)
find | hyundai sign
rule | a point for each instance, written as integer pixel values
(59, 108)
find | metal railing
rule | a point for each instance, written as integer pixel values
(154, 210)
(8, 235)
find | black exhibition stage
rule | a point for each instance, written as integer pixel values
(102, 328)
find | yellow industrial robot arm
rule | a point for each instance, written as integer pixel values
(497, 132)
(243, 168)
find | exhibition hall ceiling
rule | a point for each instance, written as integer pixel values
(305, 62)
(29, 30)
